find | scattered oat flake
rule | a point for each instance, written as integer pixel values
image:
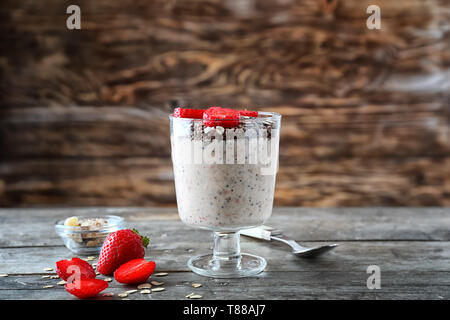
(158, 289)
(144, 286)
(45, 277)
(131, 291)
(195, 296)
(126, 299)
(48, 286)
(189, 295)
(161, 274)
(123, 295)
(196, 285)
(62, 282)
(97, 273)
(108, 294)
(54, 277)
(48, 269)
(156, 283)
(4, 275)
(107, 279)
(90, 258)
(146, 291)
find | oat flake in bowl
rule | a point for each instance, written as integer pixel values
(85, 235)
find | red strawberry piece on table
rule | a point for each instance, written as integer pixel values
(86, 288)
(69, 268)
(224, 117)
(188, 113)
(135, 271)
(248, 113)
(120, 247)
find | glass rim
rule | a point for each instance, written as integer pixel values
(275, 116)
(113, 223)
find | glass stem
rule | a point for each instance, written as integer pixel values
(227, 246)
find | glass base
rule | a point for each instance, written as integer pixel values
(244, 266)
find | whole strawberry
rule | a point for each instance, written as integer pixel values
(120, 247)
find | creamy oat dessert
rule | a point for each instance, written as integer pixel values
(226, 188)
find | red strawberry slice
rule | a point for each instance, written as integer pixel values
(248, 113)
(70, 268)
(120, 247)
(86, 288)
(224, 117)
(135, 271)
(188, 113)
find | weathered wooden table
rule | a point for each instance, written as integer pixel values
(411, 246)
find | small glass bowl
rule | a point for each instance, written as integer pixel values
(81, 240)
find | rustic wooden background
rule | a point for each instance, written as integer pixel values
(366, 113)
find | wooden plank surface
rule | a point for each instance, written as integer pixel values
(410, 245)
(350, 256)
(419, 181)
(34, 227)
(366, 118)
(270, 286)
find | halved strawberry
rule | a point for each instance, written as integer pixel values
(67, 268)
(86, 288)
(248, 113)
(134, 271)
(188, 113)
(224, 117)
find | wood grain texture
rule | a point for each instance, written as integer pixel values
(270, 286)
(366, 114)
(302, 224)
(410, 245)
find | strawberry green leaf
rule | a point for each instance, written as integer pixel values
(145, 240)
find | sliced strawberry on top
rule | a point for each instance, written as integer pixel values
(248, 113)
(224, 117)
(135, 271)
(119, 247)
(68, 268)
(86, 288)
(188, 113)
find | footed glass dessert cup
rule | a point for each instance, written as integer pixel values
(225, 180)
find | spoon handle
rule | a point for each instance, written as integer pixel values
(271, 234)
(261, 232)
(294, 245)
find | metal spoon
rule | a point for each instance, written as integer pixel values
(305, 252)
(269, 233)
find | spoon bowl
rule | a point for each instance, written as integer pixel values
(302, 251)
